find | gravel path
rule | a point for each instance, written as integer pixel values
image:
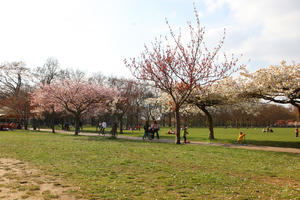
(250, 147)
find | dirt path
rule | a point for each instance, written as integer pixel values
(250, 147)
(20, 181)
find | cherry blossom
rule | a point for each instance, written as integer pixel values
(78, 98)
(177, 67)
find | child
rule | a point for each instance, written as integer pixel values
(297, 131)
(170, 132)
(240, 138)
(185, 132)
(151, 133)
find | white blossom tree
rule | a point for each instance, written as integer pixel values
(221, 93)
(278, 83)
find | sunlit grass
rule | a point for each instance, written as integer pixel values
(120, 169)
(281, 137)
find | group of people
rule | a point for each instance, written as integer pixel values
(151, 130)
(268, 129)
(67, 125)
(185, 133)
(137, 127)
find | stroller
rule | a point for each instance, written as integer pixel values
(151, 132)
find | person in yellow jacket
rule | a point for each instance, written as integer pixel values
(241, 137)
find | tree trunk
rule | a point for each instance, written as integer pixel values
(62, 124)
(34, 122)
(52, 123)
(210, 123)
(97, 125)
(137, 116)
(164, 120)
(26, 123)
(170, 119)
(121, 124)
(177, 117)
(52, 119)
(26, 119)
(114, 129)
(77, 120)
(297, 112)
(184, 121)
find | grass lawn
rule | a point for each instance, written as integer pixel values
(120, 169)
(281, 137)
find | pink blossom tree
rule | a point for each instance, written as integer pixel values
(178, 68)
(77, 97)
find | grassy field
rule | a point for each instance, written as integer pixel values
(281, 137)
(120, 169)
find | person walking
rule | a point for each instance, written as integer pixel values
(297, 132)
(67, 126)
(185, 132)
(155, 128)
(147, 131)
(80, 125)
(103, 127)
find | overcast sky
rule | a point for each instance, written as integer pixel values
(96, 35)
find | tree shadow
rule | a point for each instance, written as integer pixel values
(284, 144)
(105, 139)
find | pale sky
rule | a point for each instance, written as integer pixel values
(96, 35)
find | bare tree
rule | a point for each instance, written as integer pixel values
(48, 72)
(13, 76)
(72, 74)
(127, 94)
(97, 78)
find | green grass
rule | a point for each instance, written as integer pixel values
(120, 169)
(281, 137)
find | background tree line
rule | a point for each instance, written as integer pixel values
(18, 83)
(178, 81)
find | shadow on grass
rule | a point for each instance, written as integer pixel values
(98, 137)
(283, 144)
(226, 142)
(295, 144)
